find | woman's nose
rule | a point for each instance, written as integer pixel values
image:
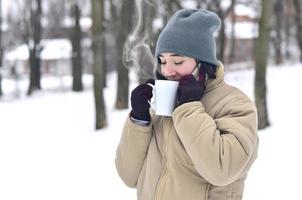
(169, 69)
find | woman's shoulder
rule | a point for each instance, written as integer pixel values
(230, 92)
(225, 98)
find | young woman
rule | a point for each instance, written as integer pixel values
(206, 148)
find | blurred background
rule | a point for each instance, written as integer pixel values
(67, 68)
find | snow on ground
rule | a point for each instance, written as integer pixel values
(49, 149)
(277, 174)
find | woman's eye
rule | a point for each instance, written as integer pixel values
(178, 63)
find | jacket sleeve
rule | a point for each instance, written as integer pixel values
(223, 149)
(131, 151)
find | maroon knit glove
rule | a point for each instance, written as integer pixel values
(189, 89)
(140, 98)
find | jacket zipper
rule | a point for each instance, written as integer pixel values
(164, 177)
(207, 191)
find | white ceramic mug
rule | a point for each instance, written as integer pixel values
(165, 92)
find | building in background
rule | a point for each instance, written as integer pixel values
(245, 33)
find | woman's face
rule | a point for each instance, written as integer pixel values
(174, 66)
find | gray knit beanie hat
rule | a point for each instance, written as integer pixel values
(189, 32)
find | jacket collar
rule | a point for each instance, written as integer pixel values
(214, 83)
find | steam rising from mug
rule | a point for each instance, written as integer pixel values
(137, 49)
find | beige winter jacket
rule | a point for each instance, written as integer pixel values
(202, 152)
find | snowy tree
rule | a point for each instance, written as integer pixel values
(217, 7)
(278, 27)
(55, 13)
(1, 48)
(35, 47)
(97, 7)
(261, 58)
(298, 19)
(76, 37)
(124, 27)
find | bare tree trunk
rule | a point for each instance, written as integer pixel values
(233, 39)
(76, 37)
(98, 83)
(35, 48)
(221, 38)
(124, 28)
(1, 49)
(277, 39)
(298, 19)
(287, 27)
(216, 7)
(261, 63)
(104, 45)
(112, 28)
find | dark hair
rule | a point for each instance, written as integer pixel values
(209, 68)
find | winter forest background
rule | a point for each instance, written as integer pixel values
(67, 68)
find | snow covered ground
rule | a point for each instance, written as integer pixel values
(50, 151)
